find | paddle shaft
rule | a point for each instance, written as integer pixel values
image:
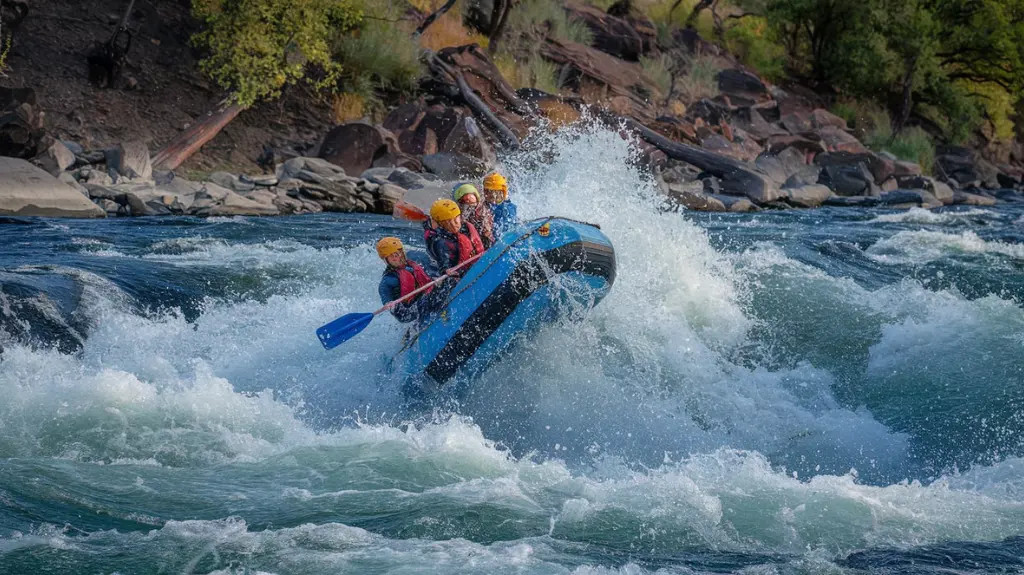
(420, 290)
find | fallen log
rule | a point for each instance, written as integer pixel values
(736, 177)
(189, 142)
(504, 133)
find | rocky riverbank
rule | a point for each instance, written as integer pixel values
(752, 146)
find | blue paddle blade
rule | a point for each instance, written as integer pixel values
(343, 329)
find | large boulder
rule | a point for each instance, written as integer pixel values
(853, 180)
(808, 196)
(26, 190)
(454, 166)
(808, 146)
(782, 166)
(214, 200)
(612, 35)
(881, 169)
(909, 198)
(752, 122)
(734, 203)
(55, 159)
(467, 138)
(130, 160)
(836, 139)
(21, 126)
(144, 200)
(956, 164)
(691, 196)
(904, 168)
(357, 145)
(743, 88)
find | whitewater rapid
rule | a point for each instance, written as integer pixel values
(732, 395)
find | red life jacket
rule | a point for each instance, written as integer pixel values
(410, 281)
(470, 245)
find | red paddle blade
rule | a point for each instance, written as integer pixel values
(406, 211)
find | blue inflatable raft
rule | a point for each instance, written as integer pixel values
(529, 276)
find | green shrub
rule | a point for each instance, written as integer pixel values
(700, 80)
(659, 71)
(753, 42)
(529, 72)
(912, 144)
(532, 17)
(378, 56)
(255, 47)
(915, 145)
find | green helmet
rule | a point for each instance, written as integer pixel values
(465, 189)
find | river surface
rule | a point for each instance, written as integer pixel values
(814, 391)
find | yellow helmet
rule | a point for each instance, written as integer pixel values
(497, 182)
(387, 246)
(444, 210)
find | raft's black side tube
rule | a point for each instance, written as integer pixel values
(528, 275)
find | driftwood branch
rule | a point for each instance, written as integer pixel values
(734, 174)
(507, 137)
(437, 14)
(189, 142)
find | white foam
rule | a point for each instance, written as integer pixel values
(920, 247)
(929, 217)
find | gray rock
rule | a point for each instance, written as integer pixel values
(406, 179)
(852, 201)
(55, 159)
(231, 182)
(290, 169)
(130, 160)
(906, 168)
(69, 179)
(214, 200)
(972, 199)
(266, 181)
(387, 196)
(692, 197)
(853, 180)
(26, 190)
(111, 207)
(808, 176)
(370, 186)
(98, 192)
(161, 177)
(73, 147)
(454, 166)
(909, 198)
(323, 168)
(941, 191)
(261, 196)
(809, 196)
(780, 167)
(711, 185)
(90, 158)
(734, 203)
(467, 138)
(378, 175)
(150, 202)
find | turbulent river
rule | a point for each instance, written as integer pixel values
(822, 391)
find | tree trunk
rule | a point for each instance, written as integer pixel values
(907, 102)
(437, 14)
(189, 142)
(691, 20)
(499, 17)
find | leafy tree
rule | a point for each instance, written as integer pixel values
(255, 47)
